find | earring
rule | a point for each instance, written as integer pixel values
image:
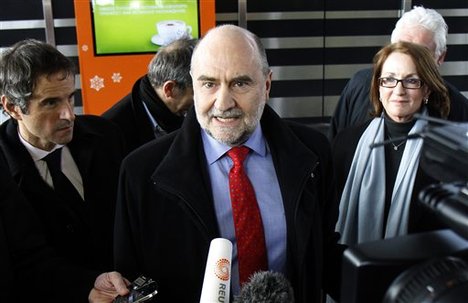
(426, 100)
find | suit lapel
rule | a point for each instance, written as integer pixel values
(294, 164)
(83, 148)
(144, 128)
(15, 153)
(183, 173)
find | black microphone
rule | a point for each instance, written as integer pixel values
(266, 287)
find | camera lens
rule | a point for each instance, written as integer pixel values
(439, 280)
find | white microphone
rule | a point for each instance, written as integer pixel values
(217, 281)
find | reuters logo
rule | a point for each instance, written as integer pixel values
(222, 269)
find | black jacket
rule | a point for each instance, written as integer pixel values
(130, 115)
(80, 233)
(165, 215)
(30, 270)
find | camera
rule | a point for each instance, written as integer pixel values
(143, 289)
(427, 267)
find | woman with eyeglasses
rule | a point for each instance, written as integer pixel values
(379, 186)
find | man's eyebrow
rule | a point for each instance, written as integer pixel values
(45, 101)
(57, 98)
(206, 78)
(242, 78)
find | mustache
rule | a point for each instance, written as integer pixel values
(224, 114)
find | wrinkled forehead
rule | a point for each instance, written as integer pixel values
(226, 47)
(419, 35)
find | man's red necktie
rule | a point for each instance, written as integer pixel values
(251, 249)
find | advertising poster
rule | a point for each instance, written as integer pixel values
(141, 26)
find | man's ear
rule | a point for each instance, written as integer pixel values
(268, 81)
(441, 58)
(12, 110)
(169, 89)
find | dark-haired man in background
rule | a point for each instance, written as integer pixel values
(159, 100)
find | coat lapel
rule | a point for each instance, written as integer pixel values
(83, 148)
(294, 164)
(16, 155)
(183, 172)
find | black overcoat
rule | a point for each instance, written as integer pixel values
(165, 216)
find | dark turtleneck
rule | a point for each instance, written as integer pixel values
(393, 157)
(167, 120)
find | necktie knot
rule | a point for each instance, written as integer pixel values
(238, 154)
(53, 159)
(62, 185)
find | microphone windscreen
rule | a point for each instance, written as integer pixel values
(266, 287)
(217, 280)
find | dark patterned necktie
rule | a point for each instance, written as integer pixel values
(251, 248)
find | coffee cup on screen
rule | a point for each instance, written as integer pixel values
(170, 30)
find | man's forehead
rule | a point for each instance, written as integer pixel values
(55, 84)
(419, 35)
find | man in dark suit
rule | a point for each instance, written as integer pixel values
(174, 195)
(159, 100)
(422, 26)
(31, 270)
(37, 87)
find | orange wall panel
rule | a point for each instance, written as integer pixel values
(106, 79)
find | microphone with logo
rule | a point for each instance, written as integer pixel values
(217, 280)
(266, 287)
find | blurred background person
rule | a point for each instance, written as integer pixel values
(379, 186)
(159, 100)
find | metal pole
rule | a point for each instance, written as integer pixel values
(242, 14)
(49, 21)
(405, 6)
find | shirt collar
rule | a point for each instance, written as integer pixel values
(35, 152)
(215, 149)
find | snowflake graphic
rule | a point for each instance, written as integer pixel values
(97, 83)
(116, 77)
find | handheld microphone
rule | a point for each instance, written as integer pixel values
(266, 287)
(217, 281)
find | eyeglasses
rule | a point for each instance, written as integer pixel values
(390, 82)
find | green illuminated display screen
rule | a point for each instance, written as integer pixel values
(142, 26)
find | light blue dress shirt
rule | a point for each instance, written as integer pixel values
(261, 172)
